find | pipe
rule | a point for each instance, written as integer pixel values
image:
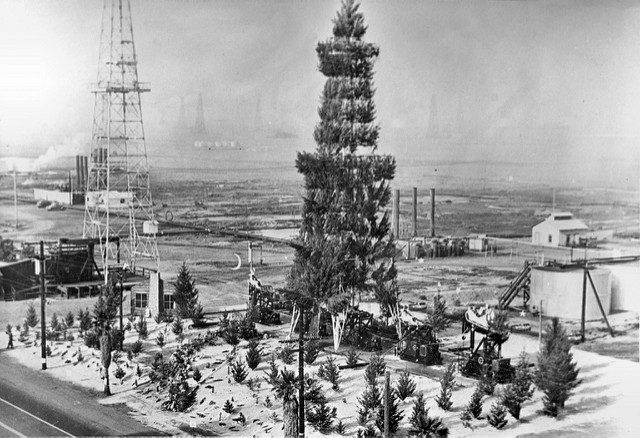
(78, 171)
(415, 212)
(396, 213)
(433, 212)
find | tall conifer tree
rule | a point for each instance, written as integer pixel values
(344, 238)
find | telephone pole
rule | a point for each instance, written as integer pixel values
(43, 322)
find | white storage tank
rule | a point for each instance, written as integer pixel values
(560, 290)
(625, 286)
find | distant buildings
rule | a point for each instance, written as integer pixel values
(559, 229)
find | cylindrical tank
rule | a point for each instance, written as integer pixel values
(625, 286)
(560, 290)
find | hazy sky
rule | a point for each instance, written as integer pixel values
(495, 67)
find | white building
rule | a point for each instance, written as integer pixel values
(117, 200)
(559, 229)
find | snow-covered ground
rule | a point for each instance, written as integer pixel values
(605, 403)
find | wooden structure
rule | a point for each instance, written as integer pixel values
(518, 286)
(485, 358)
(265, 301)
(420, 345)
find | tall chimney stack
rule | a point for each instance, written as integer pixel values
(433, 212)
(396, 214)
(85, 173)
(78, 171)
(415, 212)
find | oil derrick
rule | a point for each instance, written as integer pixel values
(199, 128)
(118, 206)
(182, 118)
(433, 128)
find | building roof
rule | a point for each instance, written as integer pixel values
(564, 222)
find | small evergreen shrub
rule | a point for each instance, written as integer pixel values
(136, 347)
(353, 358)
(422, 424)
(119, 372)
(311, 351)
(395, 414)
(228, 407)
(32, 317)
(406, 386)
(69, 319)
(254, 355)
(160, 341)
(331, 372)
(475, 403)
(446, 388)
(239, 371)
(497, 416)
(286, 355)
(520, 389)
(197, 375)
(141, 328)
(273, 373)
(321, 417)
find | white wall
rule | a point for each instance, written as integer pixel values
(625, 286)
(561, 292)
(52, 195)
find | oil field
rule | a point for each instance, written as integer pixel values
(408, 260)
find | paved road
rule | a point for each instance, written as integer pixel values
(32, 403)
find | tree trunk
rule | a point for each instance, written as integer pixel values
(290, 418)
(107, 390)
(105, 353)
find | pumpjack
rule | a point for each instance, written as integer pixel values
(485, 358)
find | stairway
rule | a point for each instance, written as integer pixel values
(520, 283)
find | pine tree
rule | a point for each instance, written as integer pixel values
(406, 386)
(343, 236)
(557, 374)
(446, 387)
(436, 314)
(395, 414)
(160, 341)
(475, 403)
(321, 416)
(369, 403)
(69, 319)
(352, 357)
(422, 424)
(185, 295)
(331, 372)
(228, 407)
(254, 355)
(497, 416)
(84, 318)
(311, 352)
(520, 389)
(32, 317)
(273, 373)
(487, 382)
(106, 308)
(55, 323)
(177, 327)
(239, 371)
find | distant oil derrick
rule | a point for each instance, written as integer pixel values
(118, 200)
(199, 127)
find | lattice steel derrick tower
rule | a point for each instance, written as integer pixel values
(118, 196)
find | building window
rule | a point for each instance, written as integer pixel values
(423, 350)
(550, 238)
(141, 300)
(168, 302)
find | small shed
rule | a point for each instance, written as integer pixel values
(559, 229)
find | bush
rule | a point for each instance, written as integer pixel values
(406, 386)
(69, 319)
(286, 355)
(55, 323)
(197, 375)
(487, 383)
(253, 383)
(273, 373)
(321, 417)
(247, 328)
(48, 350)
(254, 355)
(92, 339)
(239, 371)
(520, 389)
(395, 414)
(497, 416)
(369, 402)
(181, 396)
(446, 387)
(475, 403)
(84, 320)
(32, 317)
(141, 328)
(119, 372)
(422, 425)
(136, 347)
(160, 340)
(177, 327)
(228, 407)
(331, 372)
(311, 352)
(352, 357)
(378, 364)
(313, 394)
(231, 333)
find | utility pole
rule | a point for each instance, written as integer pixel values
(43, 323)
(301, 375)
(387, 376)
(15, 196)
(540, 326)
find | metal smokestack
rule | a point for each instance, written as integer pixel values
(415, 212)
(433, 212)
(85, 173)
(78, 172)
(396, 214)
